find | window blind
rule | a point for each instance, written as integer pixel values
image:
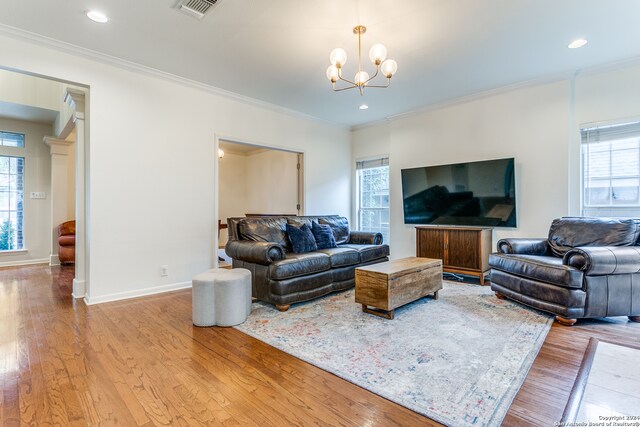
(374, 163)
(610, 133)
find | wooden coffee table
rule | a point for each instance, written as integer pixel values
(389, 285)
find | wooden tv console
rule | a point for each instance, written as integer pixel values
(463, 250)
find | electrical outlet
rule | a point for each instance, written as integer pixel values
(164, 270)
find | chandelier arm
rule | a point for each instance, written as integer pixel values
(382, 86)
(374, 76)
(348, 81)
(343, 88)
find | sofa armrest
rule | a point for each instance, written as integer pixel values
(255, 252)
(604, 260)
(365, 238)
(523, 246)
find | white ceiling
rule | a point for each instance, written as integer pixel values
(277, 50)
(29, 113)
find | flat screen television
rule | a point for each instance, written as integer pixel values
(466, 194)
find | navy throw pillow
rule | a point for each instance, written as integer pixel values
(323, 235)
(301, 239)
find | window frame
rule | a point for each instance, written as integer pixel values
(361, 165)
(19, 211)
(8, 132)
(608, 133)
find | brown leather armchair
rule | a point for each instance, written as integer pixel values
(585, 268)
(67, 242)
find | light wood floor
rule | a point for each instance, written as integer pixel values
(141, 362)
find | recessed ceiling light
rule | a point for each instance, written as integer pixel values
(363, 107)
(577, 43)
(96, 16)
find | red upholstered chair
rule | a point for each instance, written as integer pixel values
(67, 242)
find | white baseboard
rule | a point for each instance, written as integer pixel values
(79, 288)
(137, 293)
(24, 262)
(54, 260)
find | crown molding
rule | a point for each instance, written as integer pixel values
(38, 39)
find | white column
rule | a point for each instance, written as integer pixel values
(59, 194)
(76, 99)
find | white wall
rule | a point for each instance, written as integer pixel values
(611, 96)
(528, 124)
(152, 167)
(37, 212)
(538, 125)
(272, 182)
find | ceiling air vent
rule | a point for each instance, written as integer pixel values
(196, 8)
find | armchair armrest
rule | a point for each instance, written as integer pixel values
(365, 238)
(523, 246)
(604, 260)
(255, 252)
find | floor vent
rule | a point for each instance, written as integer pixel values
(196, 8)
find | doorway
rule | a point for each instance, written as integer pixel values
(256, 180)
(50, 190)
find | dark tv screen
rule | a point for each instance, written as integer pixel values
(466, 194)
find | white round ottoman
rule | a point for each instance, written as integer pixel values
(221, 297)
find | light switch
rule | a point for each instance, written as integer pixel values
(38, 195)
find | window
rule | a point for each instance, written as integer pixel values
(11, 202)
(11, 139)
(611, 170)
(372, 201)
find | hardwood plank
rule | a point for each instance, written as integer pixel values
(141, 362)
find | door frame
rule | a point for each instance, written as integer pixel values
(217, 138)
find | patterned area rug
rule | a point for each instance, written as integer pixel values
(459, 360)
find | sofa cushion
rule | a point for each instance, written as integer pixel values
(301, 239)
(369, 252)
(323, 235)
(341, 257)
(339, 225)
(264, 229)
(294, 265)
(546, 269)
(568, 232)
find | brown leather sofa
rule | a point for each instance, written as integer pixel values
(67, 242)
(282, 277)
(586, 268)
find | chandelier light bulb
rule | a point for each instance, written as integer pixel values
(377, 53)
(338, 57)
(389, 68)
(332, 73)
(361, 78)
(220, 153)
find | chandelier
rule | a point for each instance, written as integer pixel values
(377, 55)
